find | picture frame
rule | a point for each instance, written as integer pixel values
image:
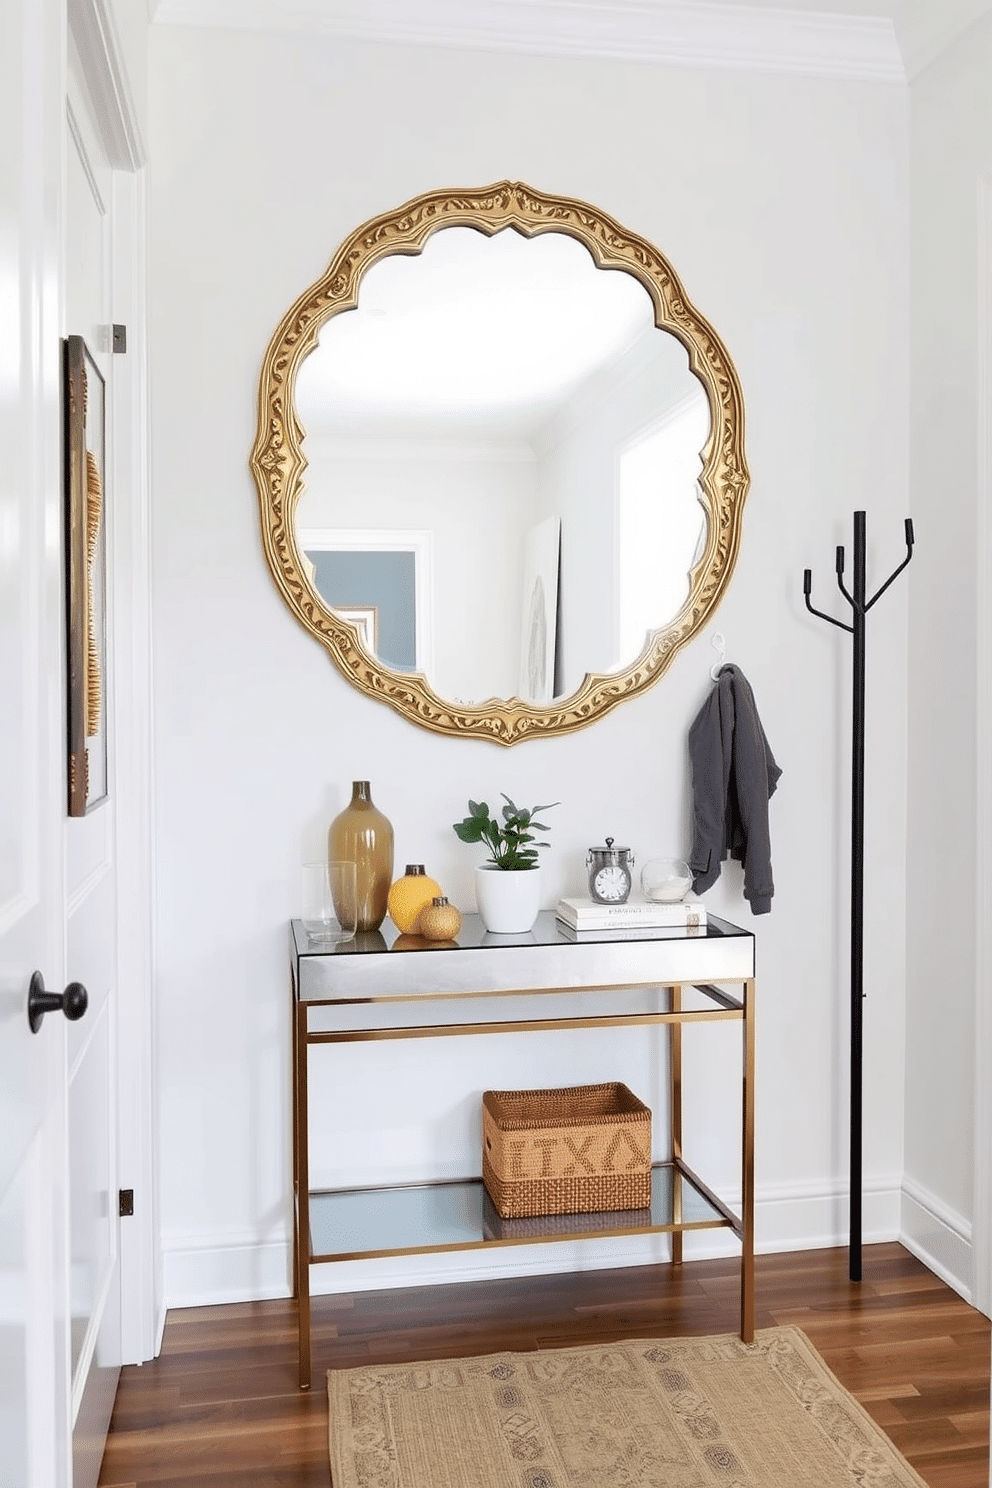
(84, 471)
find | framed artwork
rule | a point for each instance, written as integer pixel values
(539, 621)
(84, 467)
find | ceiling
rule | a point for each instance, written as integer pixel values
(880, 39)
(407, 361)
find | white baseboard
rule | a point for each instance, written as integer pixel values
(937, 1236)
(206, 1270)
(811, 1216)
(203, 1270)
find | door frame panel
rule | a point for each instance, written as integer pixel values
(93, 31)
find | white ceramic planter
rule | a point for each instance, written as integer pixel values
(508, 902)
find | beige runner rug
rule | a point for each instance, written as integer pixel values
(649, 1413)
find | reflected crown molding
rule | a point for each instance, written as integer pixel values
(703, 33)
(926, 30)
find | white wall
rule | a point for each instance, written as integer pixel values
(947, 988)
(782, 202)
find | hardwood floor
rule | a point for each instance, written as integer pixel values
(220, 1407)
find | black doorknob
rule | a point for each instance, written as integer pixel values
(73, 1001)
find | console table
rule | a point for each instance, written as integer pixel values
(385, 986)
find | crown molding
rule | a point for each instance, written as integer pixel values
(926, 30)
(689, 33)
(95, 34)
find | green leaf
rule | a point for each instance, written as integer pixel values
(469, 830)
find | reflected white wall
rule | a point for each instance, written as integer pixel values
(580, 480)
(660, 522)
(477, 502)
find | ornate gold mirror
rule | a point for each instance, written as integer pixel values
(524, 458)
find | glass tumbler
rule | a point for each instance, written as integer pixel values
(330, 901)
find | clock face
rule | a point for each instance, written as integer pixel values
(611, 884)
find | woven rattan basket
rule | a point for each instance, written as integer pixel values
(571, 1151)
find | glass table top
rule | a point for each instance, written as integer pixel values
(547, 931)
(350, 1223)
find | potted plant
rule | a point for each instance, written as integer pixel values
(508, 884)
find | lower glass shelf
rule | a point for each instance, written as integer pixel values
(348, 1224)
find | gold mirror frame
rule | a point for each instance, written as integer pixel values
(278, 462)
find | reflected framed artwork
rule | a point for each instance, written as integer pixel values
(84, 469)
(539, 622)
(366, 618)
(380, 580)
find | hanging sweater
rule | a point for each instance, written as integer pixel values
(734, 775)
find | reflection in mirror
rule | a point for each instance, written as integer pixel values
(382, 582)
(503, 462)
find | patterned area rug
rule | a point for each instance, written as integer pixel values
(651, 1413)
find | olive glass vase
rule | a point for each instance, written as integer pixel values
(361, 834)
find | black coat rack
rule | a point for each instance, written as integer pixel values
(860, 606)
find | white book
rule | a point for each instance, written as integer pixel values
(630, 932)
(583, 914)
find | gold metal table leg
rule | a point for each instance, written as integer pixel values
(676, 1090)
(296, 1144)
(747, 1169)
(301, 1205)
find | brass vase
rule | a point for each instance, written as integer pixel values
(362, 835)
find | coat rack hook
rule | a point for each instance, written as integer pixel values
(896, 572)
(807, 592)
(719, 644)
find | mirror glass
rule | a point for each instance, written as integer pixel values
(500, 462)
(503, 455)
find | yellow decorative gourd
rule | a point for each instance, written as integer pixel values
(409, 895)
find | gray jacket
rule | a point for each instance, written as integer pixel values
(734, 775)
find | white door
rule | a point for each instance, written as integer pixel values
(60, 1331)
(34, 1393)
(92, 1208)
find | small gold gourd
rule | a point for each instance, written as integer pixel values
(440, 920)
(409, 895)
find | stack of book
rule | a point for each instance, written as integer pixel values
(637, 915)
